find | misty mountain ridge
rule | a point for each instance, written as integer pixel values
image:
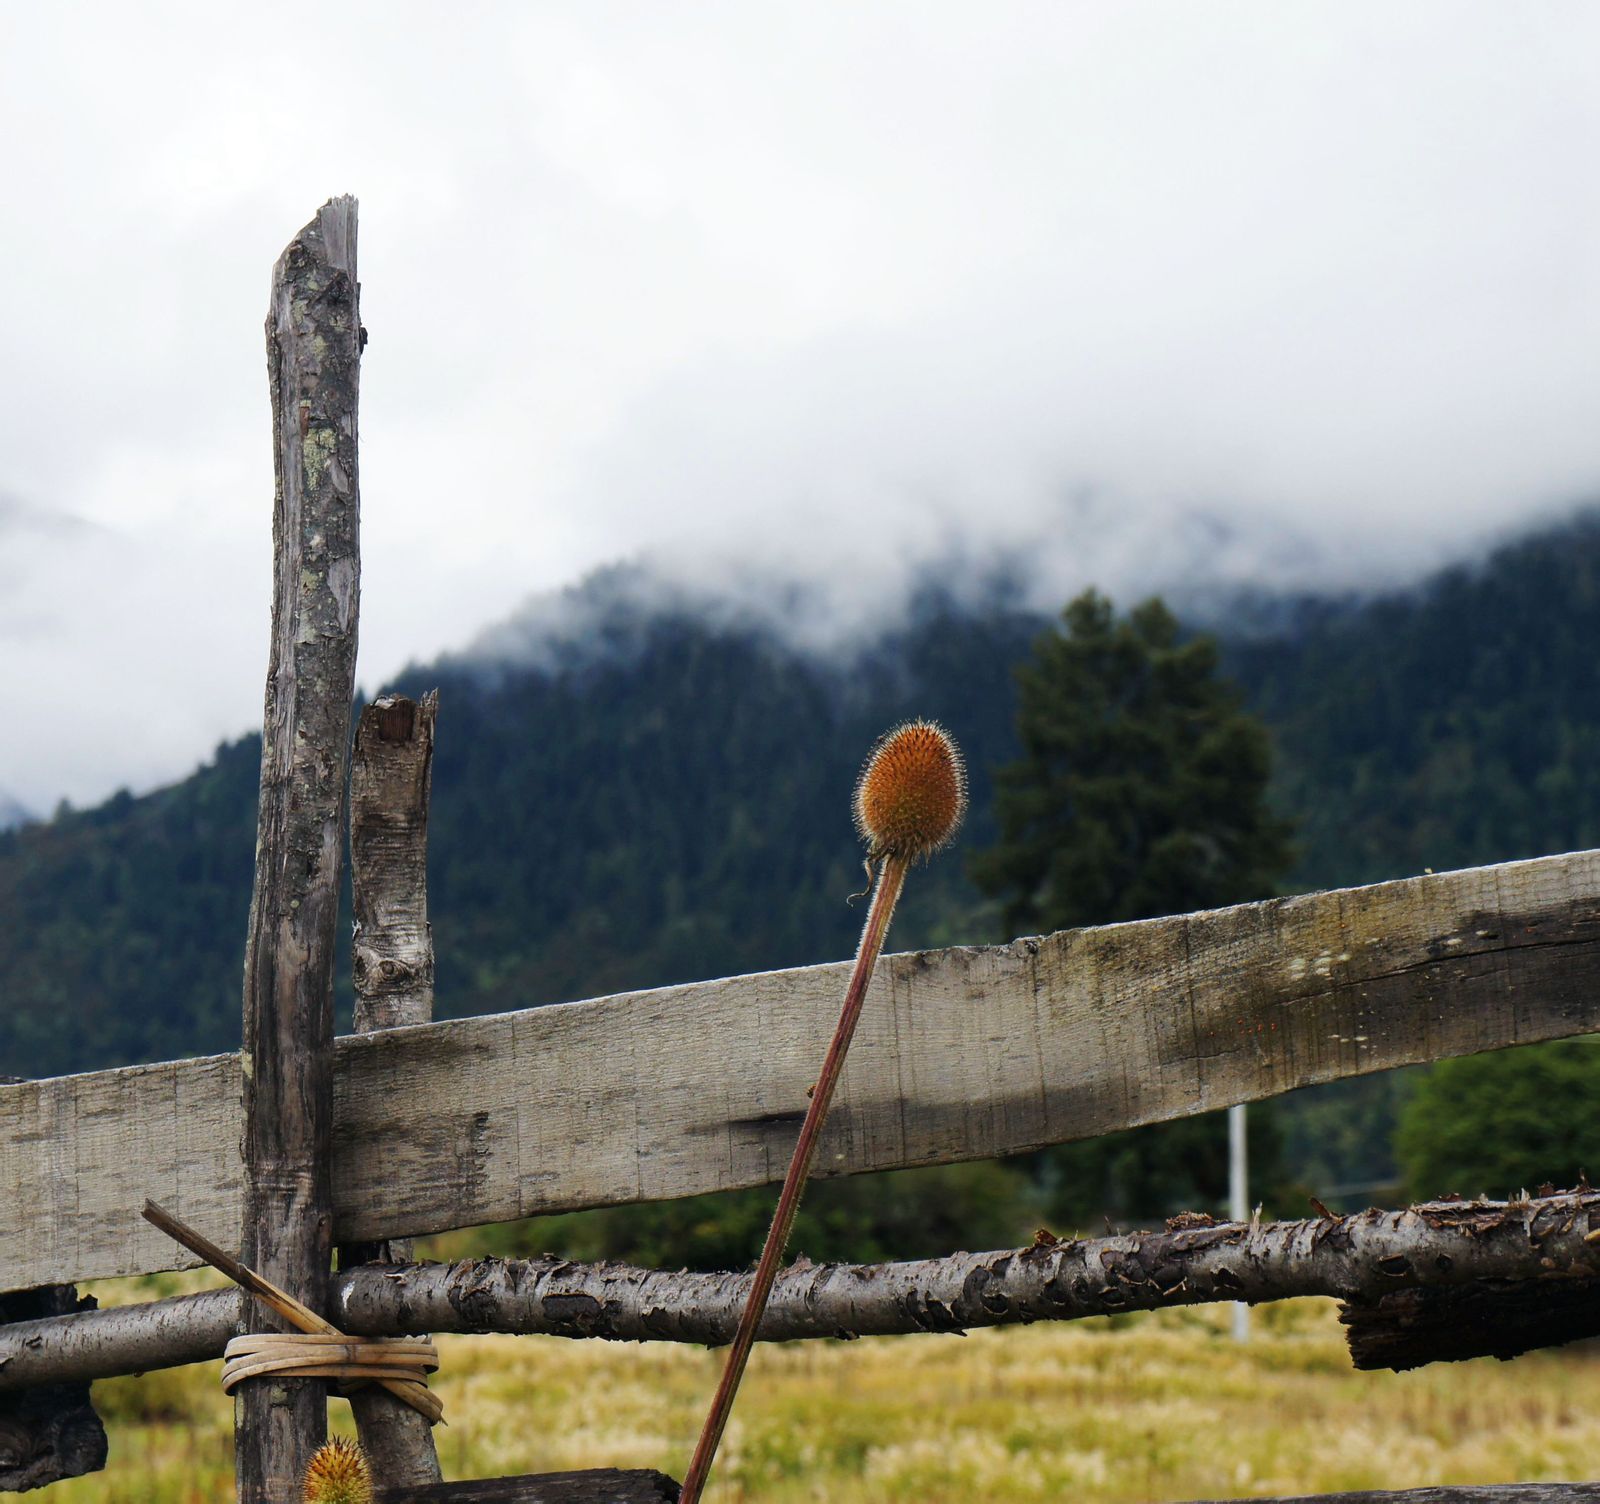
(13, 812)
(613, 613)
(631, 791)
(1207, 565)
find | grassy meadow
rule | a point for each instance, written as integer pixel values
(1160, 1407)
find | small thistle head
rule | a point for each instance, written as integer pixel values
(339, 1474)
(912, 792)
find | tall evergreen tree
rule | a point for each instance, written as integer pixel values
(1142, 786)
(1141, 792)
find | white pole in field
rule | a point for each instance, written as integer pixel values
(1238, 1201)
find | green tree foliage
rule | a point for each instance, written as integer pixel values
(1141, 791)
(668, 802)
(1450, 725)
(903, 1214)
(1501, 1123)
(1142, 785)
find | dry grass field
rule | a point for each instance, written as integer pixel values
(1164, 1407)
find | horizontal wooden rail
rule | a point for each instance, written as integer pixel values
(962, 1054)
(1525, 1274)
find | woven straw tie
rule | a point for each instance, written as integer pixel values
(319, 1350)
(397, 1362)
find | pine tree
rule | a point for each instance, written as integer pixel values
(1142, 786)
(1142, 791)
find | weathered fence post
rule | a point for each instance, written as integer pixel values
(314, 340)
(391, 776)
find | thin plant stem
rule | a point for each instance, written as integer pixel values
(885, 894)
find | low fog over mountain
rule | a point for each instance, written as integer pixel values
(795, 309)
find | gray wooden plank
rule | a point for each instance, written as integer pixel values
(961, 1054)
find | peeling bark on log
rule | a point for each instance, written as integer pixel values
(49, 1434)
(1365, 1256)
(1554, 1302)
(314, 360)
(599, 1486)
(391, 777)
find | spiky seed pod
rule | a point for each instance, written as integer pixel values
(912, 792)
(339, 1474)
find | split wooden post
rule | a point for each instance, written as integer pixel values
(314, 340)
(391, 776)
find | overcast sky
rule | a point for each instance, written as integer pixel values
(1152, 293)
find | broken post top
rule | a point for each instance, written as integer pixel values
(329, 238)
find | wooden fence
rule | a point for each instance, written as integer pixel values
(300, 1142)
(962, 1054)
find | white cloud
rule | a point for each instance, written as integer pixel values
(1148, 292)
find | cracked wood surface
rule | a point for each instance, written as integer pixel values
(962, 1054)
(391, 777)
(283, 1224)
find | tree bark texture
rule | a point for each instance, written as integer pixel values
(314, 357)
(599, 1486)
(1438, 1245)
(52, 1433)
(1363, 1256)
(391, 777)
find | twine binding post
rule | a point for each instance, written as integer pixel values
(319, 1350)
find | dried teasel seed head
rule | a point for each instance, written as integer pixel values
(912, 792)
(339, 1474)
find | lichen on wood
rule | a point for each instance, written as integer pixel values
(313, 356)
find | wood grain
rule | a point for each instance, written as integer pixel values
(286, 1216)
(391, 780)
(961, 1054)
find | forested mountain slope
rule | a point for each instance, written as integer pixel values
(1449, 726)
(679, 807)
(676, 811)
